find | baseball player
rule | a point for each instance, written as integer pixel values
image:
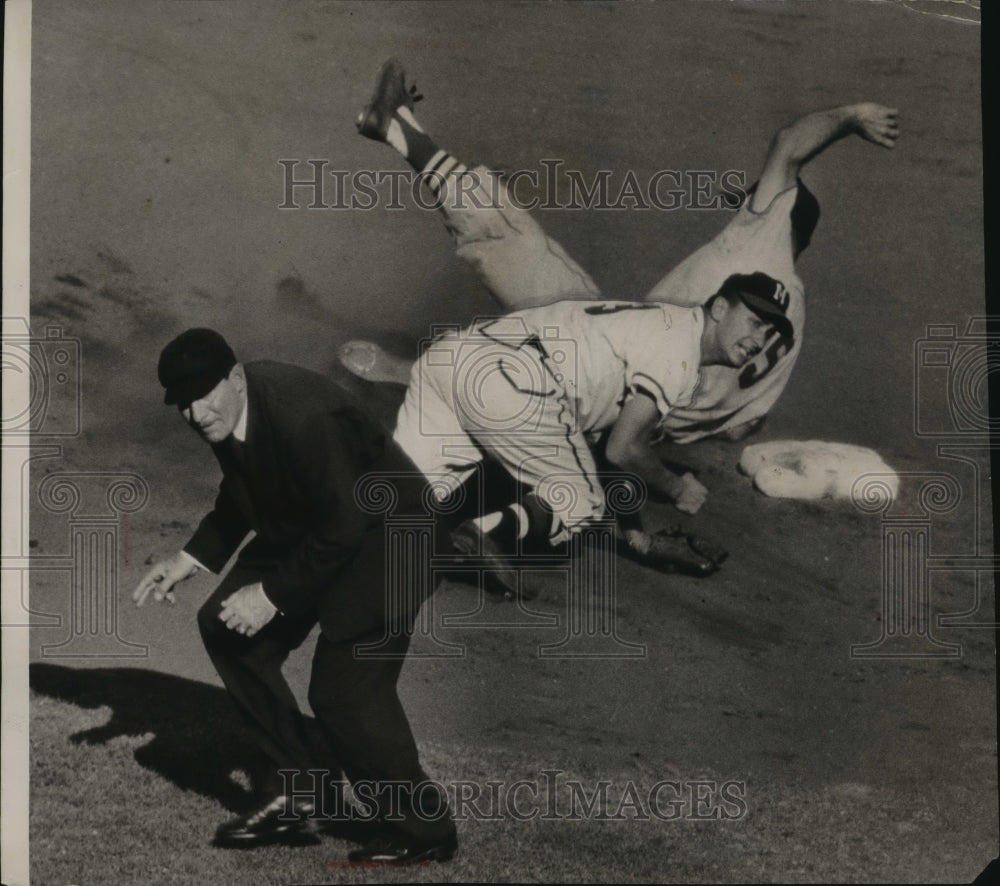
(524, 267)
(535, 388)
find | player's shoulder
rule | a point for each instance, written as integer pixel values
(780, 204)
(681, 321)
(664, 357)
(664, 335)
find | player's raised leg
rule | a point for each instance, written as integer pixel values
(518, 262)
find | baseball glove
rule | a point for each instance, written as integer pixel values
(674, 550)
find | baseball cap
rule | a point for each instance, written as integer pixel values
(763, 295)
(192, 364)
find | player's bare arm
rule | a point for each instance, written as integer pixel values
(160, 580)
(796, 144)
(629, 449)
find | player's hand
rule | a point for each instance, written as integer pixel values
(161, 579)
(247, 610)
(877, 123)
(691, 494)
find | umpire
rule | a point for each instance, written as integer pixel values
(292, 445)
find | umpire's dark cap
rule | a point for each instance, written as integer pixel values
(763, 295)
(192, 364)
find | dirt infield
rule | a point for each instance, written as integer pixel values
(158, 131)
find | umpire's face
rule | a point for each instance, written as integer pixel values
(216, 414)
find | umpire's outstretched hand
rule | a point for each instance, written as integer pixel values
(161, 579)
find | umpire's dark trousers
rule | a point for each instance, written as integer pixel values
(360, 728)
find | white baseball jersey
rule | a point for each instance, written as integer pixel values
(752, 241)
(530, 388)
(614, 349)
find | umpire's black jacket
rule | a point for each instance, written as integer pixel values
(292, 482)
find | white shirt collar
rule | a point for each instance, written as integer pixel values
(240, 431)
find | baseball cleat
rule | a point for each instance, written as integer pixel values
(390, 94)
(367, 360)
(474, 544)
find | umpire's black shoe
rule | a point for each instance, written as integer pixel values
(283, 820)
(402, 849)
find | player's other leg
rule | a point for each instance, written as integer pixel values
(522, 418)
(388, 117)
(427, 429)
(518, 262)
